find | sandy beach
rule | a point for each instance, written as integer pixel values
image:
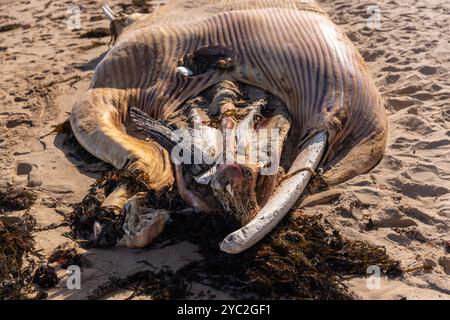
(403, 204)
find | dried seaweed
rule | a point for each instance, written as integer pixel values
(16, 242)
(89, 211)
(140, 6)
(12, 198)
(161, 285)
(299, 260)
(96, 33)
(66, 255)
(45, 277)
(12, 26)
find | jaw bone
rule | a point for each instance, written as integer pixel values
(142, 224)
(282, 201)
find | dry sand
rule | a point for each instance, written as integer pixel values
(45, 67)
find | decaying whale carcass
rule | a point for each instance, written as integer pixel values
(286, 49)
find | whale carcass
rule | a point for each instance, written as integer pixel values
(196, 61)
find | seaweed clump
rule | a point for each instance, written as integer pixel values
(16, 198)
(96, 33)
(45, 277)
(65, 255)
(161, 285)
(16, 243)
(300, 260)
(89, 211)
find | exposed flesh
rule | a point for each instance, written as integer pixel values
(230, 125)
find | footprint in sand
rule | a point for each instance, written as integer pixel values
(372, 55)
(411, 89)
(394, 223)
(418, 190)
(400, 103)
(391, 162)
(432, 144)
(423, 96)
(13, 123)
(418, 214)
(427, 70)
(391, 78)
(412, 123)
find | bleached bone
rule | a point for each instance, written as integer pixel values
(282, 201)
(142, 224)
(184, 71)
(117, 198)
(108, 12)
(114, 202)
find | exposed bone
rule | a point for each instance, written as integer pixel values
(184, 71)
(282, 201)
(209, 140)
(117, 198)
(229, 189)
(97, 229)
(142, 224)
(275, 140)
(229, 138)
(108, 12)
(114, 202)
